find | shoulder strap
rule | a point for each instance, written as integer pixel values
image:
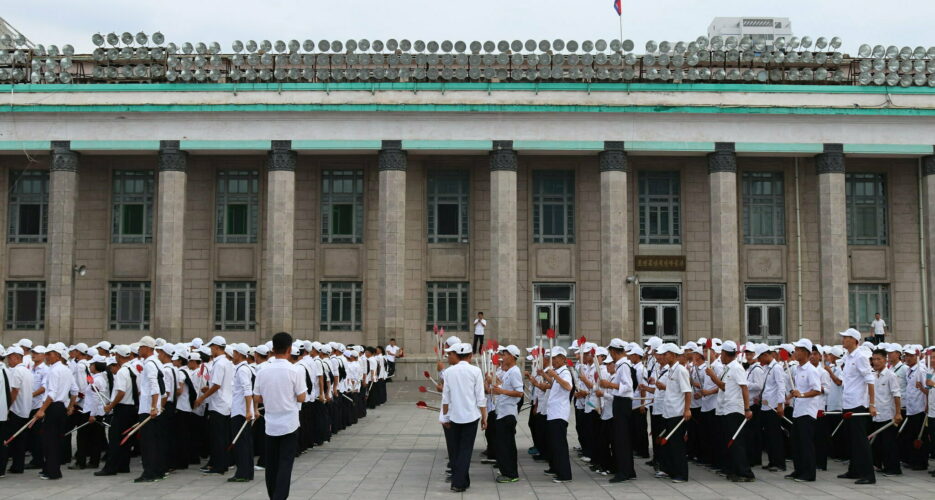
(191, 390)
(134, 390)
(6, 388)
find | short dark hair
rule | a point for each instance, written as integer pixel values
(463, 356)
(480, 312)
(881, 352)
(282, 341)
(392, 340)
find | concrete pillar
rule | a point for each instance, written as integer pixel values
(502, 315)
(832, 224)
(63, 198)
(170, 241)
(928, 210)
(279, 254)
(615, 255)
(391, 218)
(725, 258)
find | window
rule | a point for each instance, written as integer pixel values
(660, 311)
(29, 204)
(865, 300)
(553, 207)
(237, 206)
(764, 219)
(129, 305)
(341, 306)
(765, 313)
(447, 305)
(660, 219)
(25, 305)
(866, 209)
(133, 206)
(342, 206)
(448, 207)
(235, 305)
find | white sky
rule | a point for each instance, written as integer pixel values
(901, 22)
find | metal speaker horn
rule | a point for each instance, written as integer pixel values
(113, 39)
(419, 46)
(97, 39)
(141, 38)
(126, 38)
(558, 44)
(363, 44)
(572, 46)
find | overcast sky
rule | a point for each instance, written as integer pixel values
(901, 22)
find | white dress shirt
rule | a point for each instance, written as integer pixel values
(222, 375)
(463, 393)
(123, 382)
(558, 403)
(624, 378)
(184, 400)
(913, 397)
(730, 400)
(510, 380)
(774, 386)
(709, 402)
(4, 388)
(756, 375)
(21, 378)
(279, 383)
(607, 402)
(857, 376)
(900, 370)
(807, 378)
(886, 388)
(92, 404)
(242, 388)
(148, 382)
(479, 326)
(391, 351)
(677, 385)
(59, 382)
(40, 372)
(833, 392)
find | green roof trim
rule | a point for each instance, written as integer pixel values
(778, 147)
(888, 149)
(558, 145)
(225, 145)
(468, 145)
(304, 145)
(25, 145)
(115, 145)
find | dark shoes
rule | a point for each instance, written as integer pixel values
(865, 481)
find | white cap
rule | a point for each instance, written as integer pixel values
(14, 349)
(729, 346)
(147, 341)
(241, 348)
(616, 343)
(587, 347)
(294, 350)
(111, 360)
(869, 345)
(512, 349)
(601, 351)
(453, 341)
(749, 346)
(98, 359)
(892, 348)
(39, 349)
(59, 348)
(850, 332)
(217, 340)
(691, 347)
(461, 348)
(104, 345)
(168, 349)
(804, 344)
(80, 347)
(160, 341)
(654, 342)
(760, 350)
(122, 350)
(325, 349)
(25, 343)
(180, 354)
(229, 349)
(197, 342)
(635, 349)
(559, 351)
(262, 350)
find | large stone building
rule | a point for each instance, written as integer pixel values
(364, 211)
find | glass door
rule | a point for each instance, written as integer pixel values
(554, 308)
(660, 311)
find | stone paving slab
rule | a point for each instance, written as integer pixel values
(398, 452)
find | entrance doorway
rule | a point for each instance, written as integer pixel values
(554, 307)
(661, 311)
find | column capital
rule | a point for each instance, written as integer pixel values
(503, 156)
(928, 165)
(831, 161)
(281, 157)
(63, 158)
(723, 159)
(171, 158)
(613, 157)
(392, 156)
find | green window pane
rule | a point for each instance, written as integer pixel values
(132, 219)
(236, 219)
(342, 219)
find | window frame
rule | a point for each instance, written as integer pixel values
(436, 291)
(225, 199)
(775, 203)
(329, 198)
(18, 199)
(121, 199)
(11, 321)
(564, 202)
(116, 289)
(221, 291)
(435, 196)
(884, 303)
(349, 290)
(671, 201)
(878, 201)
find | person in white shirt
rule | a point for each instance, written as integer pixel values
(242, 412)
(832, 384)
(463, 405)
(152, 389)
(280, 389)
(218, 395)
(806, 391)
(480, 327)
(887, 398)
(121, 405)
(21, 389)
(558, 381)
(733, 408)
(639, 437)
(916, 405)
(508, 390)
(676, 410)
(91, 437)
(58, 401)
(879, 328)
(771, 399)
(858, 398)
(755, 374)
(392, 351)
(620, 386)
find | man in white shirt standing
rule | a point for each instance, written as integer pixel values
(733, 407)
(558, 380)
(858, 398)
(913, 399)
(281, 390)
(806, 390)
(152, 388)
(218, 395)
(21, 388)
(242, 413)
(480, 326)
(508, 390)
(58, 399)
(879, 328)
(676, 407)
(621, 388)
(393, 351)
(463, 405)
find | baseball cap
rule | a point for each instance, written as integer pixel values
(760, 350)
(453, 341)
(217, 340)
(804, 344)
(616, 343)
(122, 350)
(111, 360)
(98, 359)
(147, 341)
(729, 346)
(104, 345)
(14, 349)
(168, 349)
(559, 351)
(601, 351)
(893, 348)
(244, 348)
(25, 343)
(262, 350)
(39, 349)
(850, 332)
(653, 342)
(461, 348)
(512, 349)
(197, 342)
(635, 349)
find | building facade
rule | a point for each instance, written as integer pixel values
(361, 213)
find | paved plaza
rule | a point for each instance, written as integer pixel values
(398, 452)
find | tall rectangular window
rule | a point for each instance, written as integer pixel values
(238, 200)
(235, 305)
(553, 206)
(865, 300)
(28, 206)
(660, 215)
(447, 305)
(866, 209)
(132, 206)
(447, 209)
(342, 206)
(341, 306)
(25, 305)
(129, 305)
(764, 206)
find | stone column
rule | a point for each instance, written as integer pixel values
(170, 241)
(502, 315)
(725, 269)
(832, 224)
(278, 257)
(63, 198)
(928, 224)
(615, 255)
(391, 218)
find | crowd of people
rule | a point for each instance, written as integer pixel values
(729, 407)
(216, 405)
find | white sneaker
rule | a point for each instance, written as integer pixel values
(586, 459)
(661, 475)
(257, 467)
(557, 480)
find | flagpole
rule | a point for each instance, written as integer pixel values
(620, 16)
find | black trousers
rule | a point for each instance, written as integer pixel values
(152, 437)
(53, 427)
(90, 442)
(754, 438)
(243, 449)
(709, 437)
(540, 429)
(16, 451)
(506, 445)
(840, 446)
(462, 443)
(639, 433)
(822, 443)
(623, 450)
(604, 457)
(36, 448)
(180, 440)
(306, 430)
(219, 426)
(803, 448)
(559, 462)
(671, 456)
(861, 464)
(197, 434)
(490, 435)
(118, 457)
(656, 423)
(259, 441)
(736, 454)
(280, 455)
(477, 343)
(694, 431)
(449, 446)
(915, 458)
(773, 439)
(390, 369)
(885, 449)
